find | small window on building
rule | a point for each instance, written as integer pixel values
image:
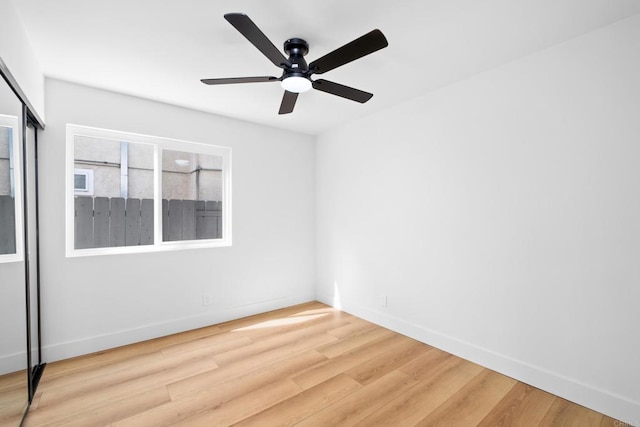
(83, 182)
(139, 193)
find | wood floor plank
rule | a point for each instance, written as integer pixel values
(239, 324)
(104, 415)
(315, 308)
(60, 407)
(304, 404)
(354, 327)
(471, 403)
(388, 361)
(419, 401)
(309, 365)
(332, 367)
(243, 407)
(245, 377)
(215, 344)
(88, 376)
(426, 365)
(12, 381)
(181, 364)
(280, 340)
(567, 414)
(361, 403)
(524, 406)
(351, 342)
(108, 357)
(211, 394)
(296, 321)
(11, 419)
(611, 422)
(13, 397)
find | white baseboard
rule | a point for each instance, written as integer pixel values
(13, 362)
(66, 350)
(583, 394)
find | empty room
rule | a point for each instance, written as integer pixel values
(280, 213)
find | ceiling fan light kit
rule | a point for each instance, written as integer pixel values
(296, 74)
(297, 84)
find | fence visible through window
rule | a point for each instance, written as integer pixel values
(129, 193)
(111, 222)
(7, 225)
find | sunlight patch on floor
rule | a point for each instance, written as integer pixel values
(316, 311)
(285, 321)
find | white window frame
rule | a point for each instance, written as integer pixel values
(88, 174)
(13, 123)
(159, 144)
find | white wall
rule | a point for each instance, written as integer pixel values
(501, 217)
(91, 303)
(16, 52)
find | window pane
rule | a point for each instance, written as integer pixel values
(113, 193)
(191, 196)
(80, 182)
(7, 193)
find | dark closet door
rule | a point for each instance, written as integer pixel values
(32, 253)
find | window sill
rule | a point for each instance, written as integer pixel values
(163, 247)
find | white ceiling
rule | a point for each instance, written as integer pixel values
(160, 49)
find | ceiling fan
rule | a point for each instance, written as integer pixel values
(296, 75)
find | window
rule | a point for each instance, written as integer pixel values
(191, 196)
(83, 182)
(136, 193)
(10, 190)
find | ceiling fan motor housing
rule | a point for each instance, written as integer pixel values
(296, 49)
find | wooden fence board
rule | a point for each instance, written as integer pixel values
(7, 225)
(101, 220)
(117, 229)
(213, 206)
(188, 220)
(165, 220)
(84, 222)
(175, 220)
(146, 222)
(205, 224)
(216, 220)
(132, 222)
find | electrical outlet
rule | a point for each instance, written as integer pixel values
(206, 300)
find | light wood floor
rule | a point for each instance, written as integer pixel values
(308, 365)
(13, 397)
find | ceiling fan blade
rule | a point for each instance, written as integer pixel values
(247, 28)
(239, 80)
(351, 51)
(342, 90)
(288, 102)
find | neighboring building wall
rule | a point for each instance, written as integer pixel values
(5, 180)
(89, 151)
(199, 179)
(140, 171)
